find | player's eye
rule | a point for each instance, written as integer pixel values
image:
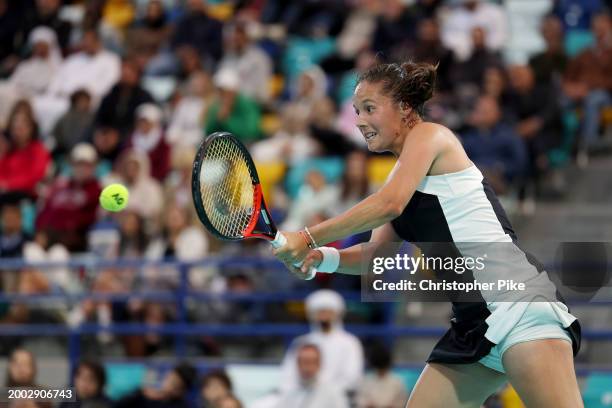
(369, 109)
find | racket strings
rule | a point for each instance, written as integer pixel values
(226, 188)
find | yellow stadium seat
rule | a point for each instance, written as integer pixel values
(606, 116)
(270, 123)
(270, 174)
(275, 85)
(221, 11)
(379, 168)
(510, 399)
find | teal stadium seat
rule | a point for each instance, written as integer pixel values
(597, 392)
(302, 53)
(331, 168)
(409, 376)
(123, 378)
(577, 40)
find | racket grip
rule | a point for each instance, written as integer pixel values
(279, 241)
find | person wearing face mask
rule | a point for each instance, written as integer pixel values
(342, 357)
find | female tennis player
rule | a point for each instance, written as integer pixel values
(436, 194)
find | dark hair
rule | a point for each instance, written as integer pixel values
(78, 94)
(98, 371)
(22, 107)
(220, 375)
(410, 82)
(379, 357)
(187, 373)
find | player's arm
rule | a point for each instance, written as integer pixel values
(351, 258)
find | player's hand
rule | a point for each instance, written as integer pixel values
(294, 251)
(312, 260)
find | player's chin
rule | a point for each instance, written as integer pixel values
(374, 147)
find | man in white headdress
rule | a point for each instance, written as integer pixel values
(33, 75)
(342, 358)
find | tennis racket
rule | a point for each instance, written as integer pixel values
(227, 194)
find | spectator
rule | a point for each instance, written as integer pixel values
(23, 158)
(576, 14)
(173, 392)
(325, 129)
(9, 28)
(341, 352)
(309, 89)
(537, 112)
(381, 389)
(394, 29)
(146, 195)
(89, 382)
(73, 126)
(118, 107)
(93, 69)
(146, 37)
(469, 72)
(459, 25)
(43, 249)
(292, 143)
(32, 75)
(428, 47)
(69, 208)
(355, 185)
(494, 146)
(177, 189)
(550, 64)
(148, 138)
(313, 390)
(588, 82)
(232, 111)
(21, 373)
(185, 131)
(12, 235)
(216, 385)
(108, 142)
(46, 13)
(179, 240)
(253, 65)
(315, 196)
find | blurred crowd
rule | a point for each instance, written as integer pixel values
(118, 91)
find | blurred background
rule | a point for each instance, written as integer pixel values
(144, 308)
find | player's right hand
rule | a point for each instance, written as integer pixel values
(306, 270)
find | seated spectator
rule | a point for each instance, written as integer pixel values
(21, 373)
(232, 111)
(381, 388)
(118, 106)
(494, 146)
(179, 240)
(341, 361)
(23, 158)
(32, 75)
(252, 64)
(466, 75)
(147, 35)
(588, 83)
(12, 235)
(73, 126)
(93, 69)
(47, 13)
(312, 389)
(314, 196)
(394, 29)
(216, 385)
(108, 142)
(69, 207)
(292, 143)
(550, 64)
(151, 314)
(194, 29)
(148, 138)
(537, 113)
(464, 17)
(173, 392)
(577, 14)
(177, 188)
(355, 185)
(325, 129)
(89, 382)
(186, 129)
(146, 194)
(44, 249)
(309, 89)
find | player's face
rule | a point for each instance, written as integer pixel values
(379, 118)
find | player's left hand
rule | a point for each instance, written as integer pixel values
(294, 251)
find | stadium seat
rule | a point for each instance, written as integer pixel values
(576, 41)
(597, 392)
(123, 379)
(409, 376)
(270, 174)
(379, 168)
(331, 168)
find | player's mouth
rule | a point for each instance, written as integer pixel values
(370, 135)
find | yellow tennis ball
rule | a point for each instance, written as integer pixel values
(114, 197)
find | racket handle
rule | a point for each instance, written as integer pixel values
(279, 241)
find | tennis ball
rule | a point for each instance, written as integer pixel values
(114, 197)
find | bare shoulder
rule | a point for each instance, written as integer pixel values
(432, 132)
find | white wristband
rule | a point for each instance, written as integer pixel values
(331, 260)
